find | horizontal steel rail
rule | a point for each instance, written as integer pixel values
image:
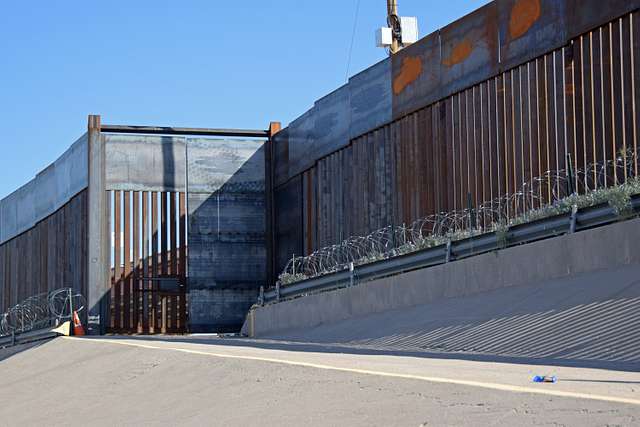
(578, 220)
(166, 130)
(27, 337)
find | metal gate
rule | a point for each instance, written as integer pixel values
(148, 262)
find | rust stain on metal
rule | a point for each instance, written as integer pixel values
(460, 52)
(523, 15)
(410, 71)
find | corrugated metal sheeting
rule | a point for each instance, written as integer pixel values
(580, 99)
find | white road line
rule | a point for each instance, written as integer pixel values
(492, 386)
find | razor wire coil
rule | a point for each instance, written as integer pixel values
(551, 193)
(41, 311)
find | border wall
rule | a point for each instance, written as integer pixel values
(188, 220)
(161, 234)
(43, 230)
(468, 113)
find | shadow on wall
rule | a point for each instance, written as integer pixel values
(224, 230)
(587, 320)
(226, 238)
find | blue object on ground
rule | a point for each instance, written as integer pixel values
(545, 379)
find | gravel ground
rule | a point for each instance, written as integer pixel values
(80, 382)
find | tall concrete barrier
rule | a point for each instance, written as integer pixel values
(571, 297)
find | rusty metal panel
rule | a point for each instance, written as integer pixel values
(635, 84)
(569, 91)
(585, 15)
(469, 49)
(416, 75)
(48, 256)
(146, 295)
(530, 28)
(370, 98)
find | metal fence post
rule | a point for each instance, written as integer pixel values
(70, 304)
(293, 263)
(278, 291)
(574, 219)
(261, 297)
(393, 234)
(351, 274)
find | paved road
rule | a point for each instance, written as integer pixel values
(205, 381)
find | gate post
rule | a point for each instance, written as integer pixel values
(269, 169)
(97, 232)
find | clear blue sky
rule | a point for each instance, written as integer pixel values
(206, 63)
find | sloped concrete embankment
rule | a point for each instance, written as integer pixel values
(573, 298)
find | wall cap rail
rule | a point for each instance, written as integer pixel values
(168, 130)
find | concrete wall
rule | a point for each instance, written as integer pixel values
(51, 189)
(600, 249)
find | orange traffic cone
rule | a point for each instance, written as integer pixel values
(78, 330)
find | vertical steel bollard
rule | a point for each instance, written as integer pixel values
(448, 252)
(472, 219)
(278, 291)
(71, 324)
(570, 178)
(261, 296)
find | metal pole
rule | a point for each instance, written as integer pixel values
(351, 273)
(393, 22)
(472, 218)
(570, 184)
(70, 312)
(70, 303)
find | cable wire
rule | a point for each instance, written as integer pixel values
(353, 36)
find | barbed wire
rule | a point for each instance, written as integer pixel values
(40, 311)
(552, 193)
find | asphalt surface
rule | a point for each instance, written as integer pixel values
(211, 381)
